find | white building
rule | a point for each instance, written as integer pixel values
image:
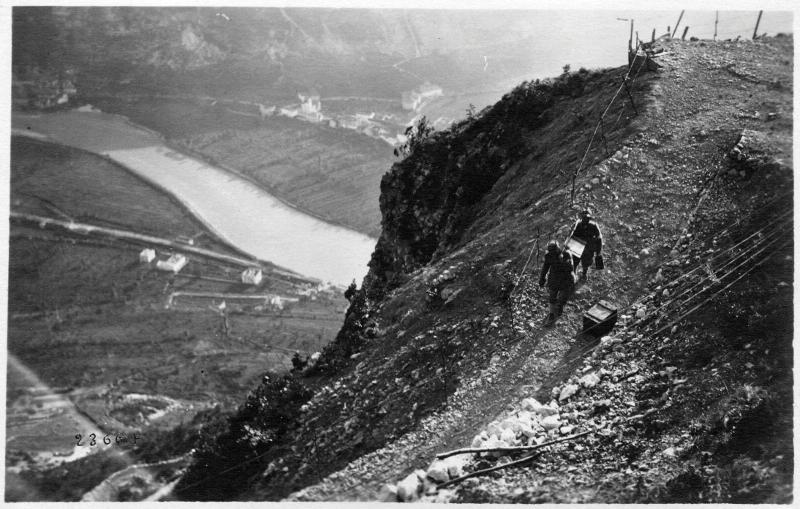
(174, 263)
(348, 122)
(310, 107)
(147, 255)
(310, 104)
(252, 276)
(277, 302)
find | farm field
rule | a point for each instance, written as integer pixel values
(94, 341)
(69, 183)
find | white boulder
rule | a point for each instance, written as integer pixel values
(527, 430)
(508, 436)
(534, 406)
(551, 408)
(477, 442)
(567, 392)
(507, 423)
(589, 380)
(455, 465)
(551, 422)
(410, 488)
(438, 471)
(530, 404)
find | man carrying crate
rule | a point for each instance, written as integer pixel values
(586, 243)
(560, 283)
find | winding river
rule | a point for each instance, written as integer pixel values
(235, 209)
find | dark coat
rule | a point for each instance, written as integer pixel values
(559, 265)
(589, 233)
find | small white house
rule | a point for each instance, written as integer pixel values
(147, 255)
(275, 302)
(252, 276)
(174, 263)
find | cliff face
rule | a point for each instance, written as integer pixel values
(444, 337)
(431, 200)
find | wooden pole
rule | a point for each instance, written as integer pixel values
(683, 37)
(471, 450)
(676, 24)
(757, 22)
(519, 462)
(716, 20)
(653, 37)
(630, 39)
(668, 30)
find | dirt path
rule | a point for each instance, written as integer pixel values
(87, 229)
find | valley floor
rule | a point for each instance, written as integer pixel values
(102, 343)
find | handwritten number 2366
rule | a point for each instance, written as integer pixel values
(118, 438)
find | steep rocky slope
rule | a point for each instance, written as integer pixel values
(691, 184)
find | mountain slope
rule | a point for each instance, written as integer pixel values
(445, 336)
(263, 54)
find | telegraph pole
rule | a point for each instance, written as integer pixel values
(757, 22)
(676, 24)
(716, 20)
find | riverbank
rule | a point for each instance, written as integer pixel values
(189, 151)
(235, 209)
(333, 174)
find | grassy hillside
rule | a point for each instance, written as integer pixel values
(445, 335)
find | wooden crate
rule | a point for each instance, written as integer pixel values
(575, 246)
(600, 319)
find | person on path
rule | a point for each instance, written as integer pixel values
(560, 281)
(587, 230)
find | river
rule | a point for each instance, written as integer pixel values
(235, 209)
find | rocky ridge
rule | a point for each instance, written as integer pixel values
(442, 346)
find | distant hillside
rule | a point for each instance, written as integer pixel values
(688, 400)
(259, 54)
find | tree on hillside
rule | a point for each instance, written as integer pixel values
(415, 136)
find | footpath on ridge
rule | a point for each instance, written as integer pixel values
(443, 346)
(704, 168)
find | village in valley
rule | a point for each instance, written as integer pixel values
(385, 126)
